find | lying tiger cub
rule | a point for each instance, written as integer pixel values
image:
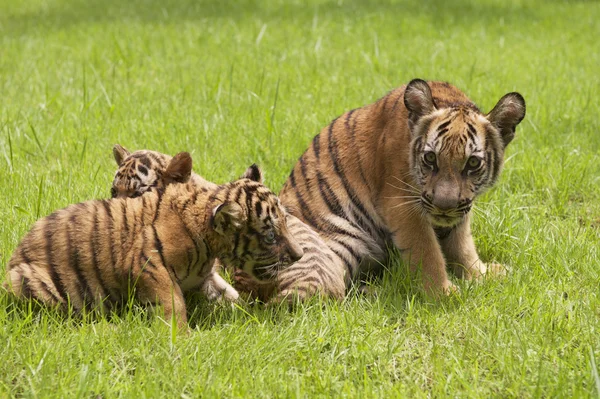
(155, 247)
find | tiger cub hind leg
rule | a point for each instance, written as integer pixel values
(320, 271)
(158, 289)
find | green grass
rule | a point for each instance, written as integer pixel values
(237, 82)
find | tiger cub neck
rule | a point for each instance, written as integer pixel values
(191, 206)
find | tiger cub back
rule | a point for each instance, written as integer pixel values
(155, 247)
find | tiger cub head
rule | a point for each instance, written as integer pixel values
(143, 171)
(255, 219)
(456, 152)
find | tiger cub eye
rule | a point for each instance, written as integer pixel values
(473, 162)
(429, 158)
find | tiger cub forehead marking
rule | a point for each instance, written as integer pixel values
(138, 172)
(457, 132)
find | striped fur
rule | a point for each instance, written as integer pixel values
(155, 247)
(402, 172)
(325, 276)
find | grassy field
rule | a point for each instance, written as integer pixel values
(236, 82)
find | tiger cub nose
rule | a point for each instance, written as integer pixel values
(296, 255)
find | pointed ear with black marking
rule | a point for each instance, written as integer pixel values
(179, 169)
(253, 173)
(227, 217)
(120, 153)
(507, 114)
(418, 100)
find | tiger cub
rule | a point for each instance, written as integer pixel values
(155, 247)
(403, 172)
(144, 171)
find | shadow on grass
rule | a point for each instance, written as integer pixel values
(83, 12)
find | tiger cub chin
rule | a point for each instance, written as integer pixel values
(155, 247)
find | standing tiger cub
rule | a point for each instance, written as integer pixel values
(404, 171)
(154, 247)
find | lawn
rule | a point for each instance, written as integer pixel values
(237, 82)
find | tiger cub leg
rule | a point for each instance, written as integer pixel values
(155, 286)
(215, 288)
(319, 272)
(461, 254)
(419, 246)
(255, 290)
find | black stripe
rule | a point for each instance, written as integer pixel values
(124, 216)
(443, 125)
(25, 288)
(24, 255)
(316, 146)
(292, 178)
(348, 248)
(75, 264)
(197, 248)
(333, 152)
(190, 256)
(357, 151)
(329, 196)
(440, 133)
(471, 132)
(50, 292)
(301, 280)
(147, 266)
(349, 268)
(236, 242)
(397, 100)
(109, 230)
(144, 160)
(303, 169)
(94, 248)
(49, 235)
(158, 202)
(258, 209)
(159, 247)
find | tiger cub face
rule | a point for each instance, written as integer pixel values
(141, 171)
(456, 152)
(262, 244)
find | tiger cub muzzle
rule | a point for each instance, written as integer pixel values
(445, 204)
(286, 251)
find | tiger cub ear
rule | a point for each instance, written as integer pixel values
(418, 100)
(179, 169)
(120, 153)
(253, 173)
(227, 217)
(507, 114)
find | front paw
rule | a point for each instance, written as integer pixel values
(496, 270)
(229, 295)
(446, 288)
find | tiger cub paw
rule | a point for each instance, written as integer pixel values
(495, 270)
(288, 297)
(446, 289)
